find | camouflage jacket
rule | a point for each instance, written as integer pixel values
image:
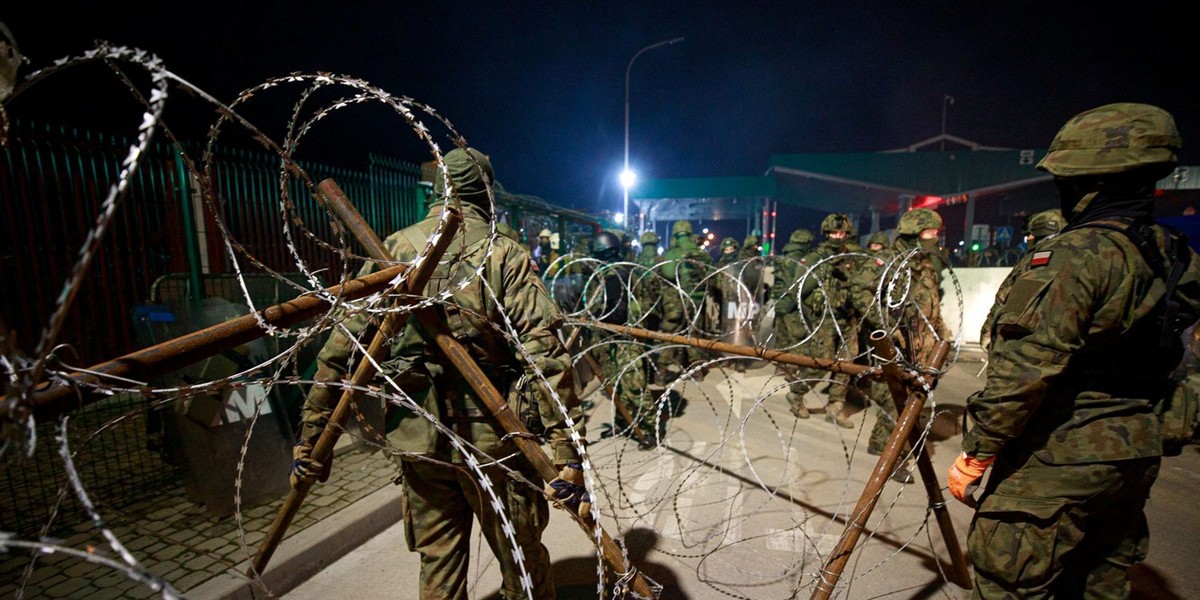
(473, 316)
(833, 276)
(786, 270)
(877, 285)
(685, 264)
(648, 257)
(1076, 369)
(989, 322)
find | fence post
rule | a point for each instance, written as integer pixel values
(195, 283)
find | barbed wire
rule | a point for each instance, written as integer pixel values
(707, 483)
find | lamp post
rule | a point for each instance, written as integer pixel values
(947, 100)
(627, 176)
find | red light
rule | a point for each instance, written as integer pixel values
(927, 201)
(772, 213)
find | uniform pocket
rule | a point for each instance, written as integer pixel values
(1019, 316)
(1018, 542)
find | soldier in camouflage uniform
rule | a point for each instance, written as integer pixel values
(1042, 225)
(826, 314)
(441, 496)
(751, 247)
(917, 320)
(684, 267)
(789, 329)
(611, 301)
(647, 284)
(729, 252)
(877, 243)
(1083, 347)
(648, 256)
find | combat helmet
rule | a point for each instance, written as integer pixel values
(649, 237)
(605, 246)
(801, 236)
(917, 220)
(729, 243)
(681, 227)
(878, 237)
(1115, 138)
(545, 233)
(1044, 224)
(836, 222)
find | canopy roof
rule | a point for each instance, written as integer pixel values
(859, 182)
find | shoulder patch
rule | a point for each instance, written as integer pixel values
(878, 262)
(1039, 258)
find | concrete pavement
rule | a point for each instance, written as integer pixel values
(743, 501)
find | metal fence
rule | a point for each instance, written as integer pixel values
(162, 250)
(53, 180)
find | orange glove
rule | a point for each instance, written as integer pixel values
(964, 475)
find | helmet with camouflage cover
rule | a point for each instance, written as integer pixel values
(606, 246)
(917, 220)
(878, 237)
(836, 222)
(471, 173)
(681, 227)
(801, 236)
(649, 237)
(1044, 224)
(1114, 138)
(729, 243)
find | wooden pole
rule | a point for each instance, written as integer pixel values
(51, 399)
(834, 366)
(886, 351)
(835, 563)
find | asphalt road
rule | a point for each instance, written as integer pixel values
(744, 501)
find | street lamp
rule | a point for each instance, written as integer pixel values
(628, 177)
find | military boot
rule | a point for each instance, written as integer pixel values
(833, 414)
(796, 403)
(904, 472)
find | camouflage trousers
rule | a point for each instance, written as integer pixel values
(439, 505)
(886, 415)
(624, 361)
(678, 313)
(824, 343)
(1060, 531)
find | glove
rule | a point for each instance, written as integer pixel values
(964, 475)
(304, 468)
(569, 490)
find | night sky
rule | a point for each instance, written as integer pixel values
(540, 85)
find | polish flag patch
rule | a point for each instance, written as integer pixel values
(1040, 259)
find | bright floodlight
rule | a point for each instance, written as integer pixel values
(628, 178)
(618, 218)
